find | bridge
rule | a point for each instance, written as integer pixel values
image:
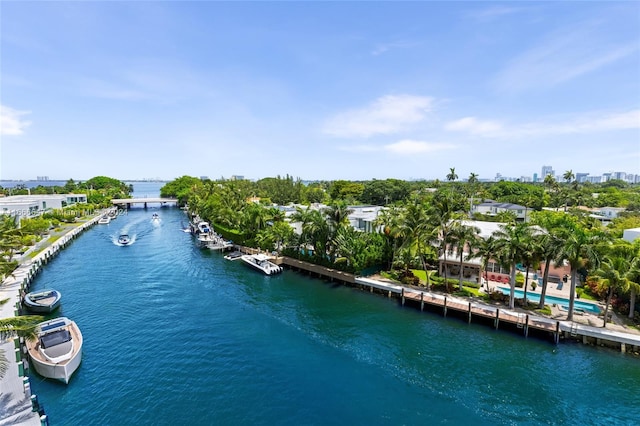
(128, 202)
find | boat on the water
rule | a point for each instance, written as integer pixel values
(104, 220)
(234, 255)
(155, 216)
(56, 352)
(124, 239)
(44, 301)
(262, 263)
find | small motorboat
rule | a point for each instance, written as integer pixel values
(124, 239)
(104, 220)
(44, 301)
(155, 216)
(56, 352)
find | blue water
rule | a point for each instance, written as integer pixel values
(174, 335)
(534, 297)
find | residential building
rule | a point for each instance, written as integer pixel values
(492, 208)
(547, 170)
(26, 206)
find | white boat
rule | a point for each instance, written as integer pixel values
(104, 220)
(155, 216)
(233, 255)
(262, 263)
(124, 239)
(56, 352)
(44, 301)
(203, 228)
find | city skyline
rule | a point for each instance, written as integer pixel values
(320, 91)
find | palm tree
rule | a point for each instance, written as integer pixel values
(579, 244)
(415, 230)
(461, 237)
(451, 176)
(612, 274)
(485, 250)
(568, 176)
(634, 283)
(22, 326)
(549, 244)
(443, 219)
(510, 246)
(388, 221)
(337, 216)
(473, 178)
(315, 230)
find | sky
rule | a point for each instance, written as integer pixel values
(318, 90)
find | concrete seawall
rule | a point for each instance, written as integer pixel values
(23, 408)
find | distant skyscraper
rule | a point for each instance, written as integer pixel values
(535, 177)
(581, 177)
(547, 170)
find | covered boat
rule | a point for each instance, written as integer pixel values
(44, 301)
(56, 352)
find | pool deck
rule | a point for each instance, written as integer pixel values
(14, 385)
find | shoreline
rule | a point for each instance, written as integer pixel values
(517, 319)
(15, 383)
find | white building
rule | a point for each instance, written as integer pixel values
(492, 208)
(33, 205)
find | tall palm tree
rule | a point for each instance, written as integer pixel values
(510, 245)
(461, 237)
(443, 220)
(612, 273)
(416, 231)
(549, 244)
(485, 250)
(388, 221)
(634, 283)
(451, 176)
(568, 176)
(337, 216)
(579, 244)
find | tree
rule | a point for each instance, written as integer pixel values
(614, 272)
(415, 231)
(22, 326)
(579, 244)
(461, 237)
(510, 246)
(451, 176)
(549, 243)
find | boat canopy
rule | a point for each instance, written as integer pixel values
(55, 338)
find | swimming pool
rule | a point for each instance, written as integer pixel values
(535, 297)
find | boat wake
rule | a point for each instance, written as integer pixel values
(114, 240)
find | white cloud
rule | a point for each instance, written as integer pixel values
(586, 123)
(409, 146)
(386, 115)
(402, 147)
(474, 126)
(562, 57)
(11, 122)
